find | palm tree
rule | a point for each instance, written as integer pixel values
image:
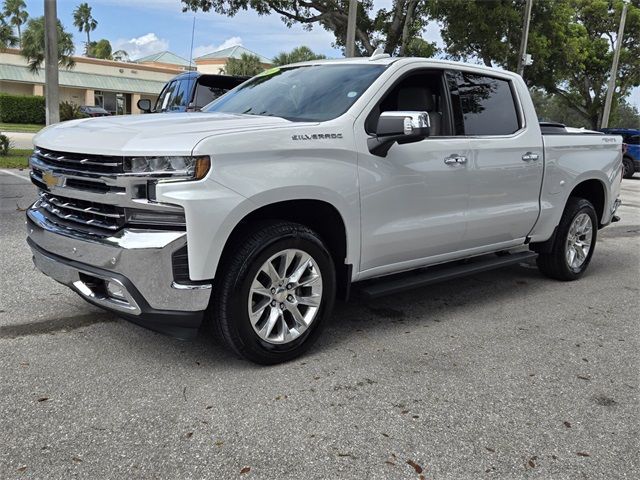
(246, 66)
(15, 11)
(299, 54)
(33, 45)
(85, 22)
(7, 38)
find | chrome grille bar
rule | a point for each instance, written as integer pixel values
(88, 163)
(84, 161)
(82, 212)
(67, 204)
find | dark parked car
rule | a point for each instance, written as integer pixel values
(631, 158)
(190, 91)
(91, 111)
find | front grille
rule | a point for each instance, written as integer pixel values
(80, 161)
(90, 217)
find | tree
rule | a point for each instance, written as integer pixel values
(83, 19)
(418, 47)
(571, 42)
(394, 28)
(120, 56)
(7, 38)
(33, 45)
(100, 49)
(554, 109)
(15, 11)
(298, 54)
(246, 66)
(624, 116)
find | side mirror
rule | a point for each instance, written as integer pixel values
(401, 127)
(144, 104)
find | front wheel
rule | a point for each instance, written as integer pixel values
(574, 243)
(274, 294)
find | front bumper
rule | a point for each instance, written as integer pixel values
(137, 263)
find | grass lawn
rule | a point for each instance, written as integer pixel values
(20, 127)
(16, 159)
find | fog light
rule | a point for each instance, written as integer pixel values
(115, 290)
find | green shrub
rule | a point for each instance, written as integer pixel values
(5, 144)
(21, 109)
(70, 111)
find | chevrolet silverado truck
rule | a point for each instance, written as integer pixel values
(253, 215)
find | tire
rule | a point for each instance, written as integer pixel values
(628, 168)
(243, 273)
(556, 264)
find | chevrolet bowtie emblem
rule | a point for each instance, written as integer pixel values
(51, 180)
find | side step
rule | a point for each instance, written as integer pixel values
(438, 273)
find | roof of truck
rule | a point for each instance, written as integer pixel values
(384, 59)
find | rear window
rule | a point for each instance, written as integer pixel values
(488, 106)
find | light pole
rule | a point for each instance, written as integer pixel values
(350, 46)
(522, 57)
(614, 68)
(52, 95)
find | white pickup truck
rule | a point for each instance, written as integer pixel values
(254, 214)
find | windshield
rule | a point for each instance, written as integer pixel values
(308, 93)
(175, 96)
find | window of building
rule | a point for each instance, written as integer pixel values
(113, 102)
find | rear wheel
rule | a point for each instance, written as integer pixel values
(574, 244)
(628, 169)
(275, 293)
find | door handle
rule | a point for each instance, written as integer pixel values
(455, 160)
(529, 156)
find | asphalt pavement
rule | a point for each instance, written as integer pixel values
(504, 375)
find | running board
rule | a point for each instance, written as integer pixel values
(438, 273)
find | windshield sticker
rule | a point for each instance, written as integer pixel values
(352, 94)
(271, 71)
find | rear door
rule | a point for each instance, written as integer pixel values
(506, 162)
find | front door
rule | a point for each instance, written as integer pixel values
(414, 200)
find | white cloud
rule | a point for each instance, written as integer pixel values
(204, 49)
(141, 46)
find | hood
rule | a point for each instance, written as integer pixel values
(156, 133)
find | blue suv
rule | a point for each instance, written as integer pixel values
(631, 159)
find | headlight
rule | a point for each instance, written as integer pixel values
(185, 168)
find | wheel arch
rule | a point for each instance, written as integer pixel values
(595, 192)
(591, 189)
(319, 215)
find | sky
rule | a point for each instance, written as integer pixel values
(143, 27)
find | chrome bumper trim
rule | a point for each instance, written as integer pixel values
(70, 277)
(141, 256)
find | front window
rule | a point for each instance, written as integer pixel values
(314, 93)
